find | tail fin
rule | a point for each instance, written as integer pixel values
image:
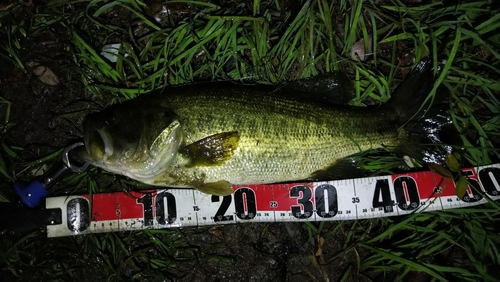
(408, 99)
(423, 119)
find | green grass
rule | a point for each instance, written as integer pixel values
(274, 42)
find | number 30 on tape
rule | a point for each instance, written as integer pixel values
(350, 199)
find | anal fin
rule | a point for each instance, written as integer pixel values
(348, 167)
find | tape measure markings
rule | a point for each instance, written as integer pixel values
(350, 199)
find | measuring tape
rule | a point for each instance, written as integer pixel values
(351, 199)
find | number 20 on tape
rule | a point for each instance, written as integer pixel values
(351, 199)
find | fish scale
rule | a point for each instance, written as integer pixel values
(281, 139)
(213, 135)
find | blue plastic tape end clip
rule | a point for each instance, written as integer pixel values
(32, 193)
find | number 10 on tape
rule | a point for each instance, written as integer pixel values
(350, 199)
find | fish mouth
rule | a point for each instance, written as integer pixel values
(98, 143)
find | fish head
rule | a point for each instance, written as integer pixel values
(138, 141)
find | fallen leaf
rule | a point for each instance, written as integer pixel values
(321, 241)
(461, 187)
(39, 171)
(216, 232)
(358, 49)
(440, 170)
(110, 51)
(452, 163)
(409, 161)
(43, 73)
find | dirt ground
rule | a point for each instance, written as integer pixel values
(45, 118)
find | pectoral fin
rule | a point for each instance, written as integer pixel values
(219, 188)
(213, 150)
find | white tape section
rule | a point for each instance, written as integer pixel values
(351, 199)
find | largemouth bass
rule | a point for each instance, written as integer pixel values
(213, 135)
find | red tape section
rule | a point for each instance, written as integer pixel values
(350, 199)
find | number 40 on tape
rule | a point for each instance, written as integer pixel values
(351, 199)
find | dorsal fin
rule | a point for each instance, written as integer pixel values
(333, 88)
